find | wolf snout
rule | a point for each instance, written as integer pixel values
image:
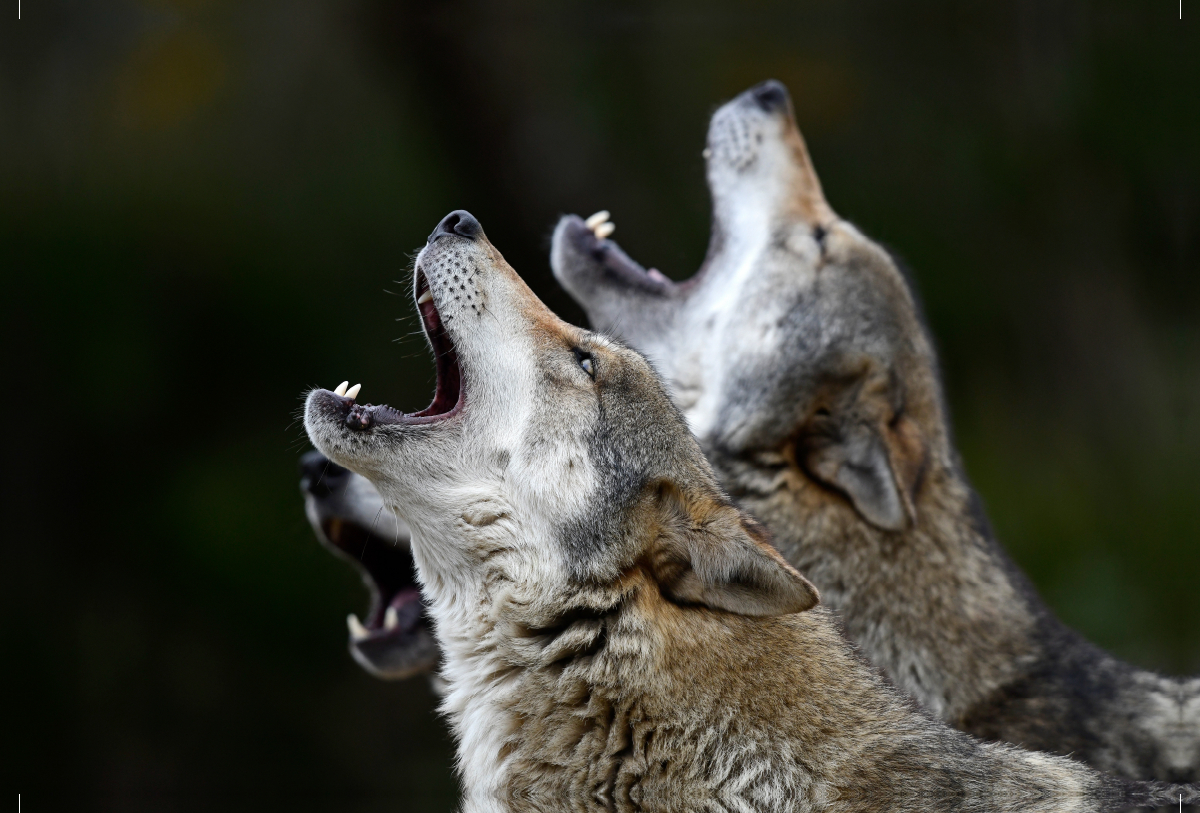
(770, 95)
(460, 222)
(319, 475)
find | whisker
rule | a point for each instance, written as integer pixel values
(370, 531)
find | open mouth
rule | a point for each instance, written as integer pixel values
(351, 527)
(396, 612)
(447, 395)
(448, 392)
(394, 640)
(591, 238)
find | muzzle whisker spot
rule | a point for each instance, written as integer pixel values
(488, 310)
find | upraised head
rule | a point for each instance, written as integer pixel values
(551, 459)
(797, 348)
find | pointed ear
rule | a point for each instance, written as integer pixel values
(710, 553)
(879, 467)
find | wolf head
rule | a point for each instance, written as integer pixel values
(349, 518)
(796, 353)
(550, 460)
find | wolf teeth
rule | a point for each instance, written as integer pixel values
(600, 225)
(391, 619)
(425, 297)
(357, 631)
(352, 393)
(340, 389)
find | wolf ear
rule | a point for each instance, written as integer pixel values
(710, 553)
(878, 467)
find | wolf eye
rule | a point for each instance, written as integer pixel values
(585, 361)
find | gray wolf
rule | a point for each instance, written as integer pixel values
(616, 635)
(349, 518)
(799, 358)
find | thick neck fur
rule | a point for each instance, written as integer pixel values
(619, 700)
(944, 612)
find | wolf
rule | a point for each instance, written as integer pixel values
(616, 635)
(349, 518)
(799, 357)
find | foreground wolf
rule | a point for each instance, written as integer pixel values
(798, 357)
(616, 635)
(350, 519)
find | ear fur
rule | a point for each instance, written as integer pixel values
(878, 467)
(710, 553)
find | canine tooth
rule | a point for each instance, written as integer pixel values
(425, 297)
(340, 389)
(604, 230)
(357, 630)
(596, 219)
(391, 619)
(352, 393)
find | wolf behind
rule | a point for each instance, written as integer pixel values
(616, 635)
(799, 359)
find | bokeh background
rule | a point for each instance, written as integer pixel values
(205, 208)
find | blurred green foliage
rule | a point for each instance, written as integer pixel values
(205, 205)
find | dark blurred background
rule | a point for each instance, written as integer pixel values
(204, 207)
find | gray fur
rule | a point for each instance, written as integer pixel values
(616, 635)
(800, 361)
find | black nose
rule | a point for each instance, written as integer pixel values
(459, 222)
(319, 474)
(770, 95)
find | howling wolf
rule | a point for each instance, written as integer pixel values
(616, 635)
(799, 359)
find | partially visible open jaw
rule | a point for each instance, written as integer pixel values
(395, 640)
(590, 238)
